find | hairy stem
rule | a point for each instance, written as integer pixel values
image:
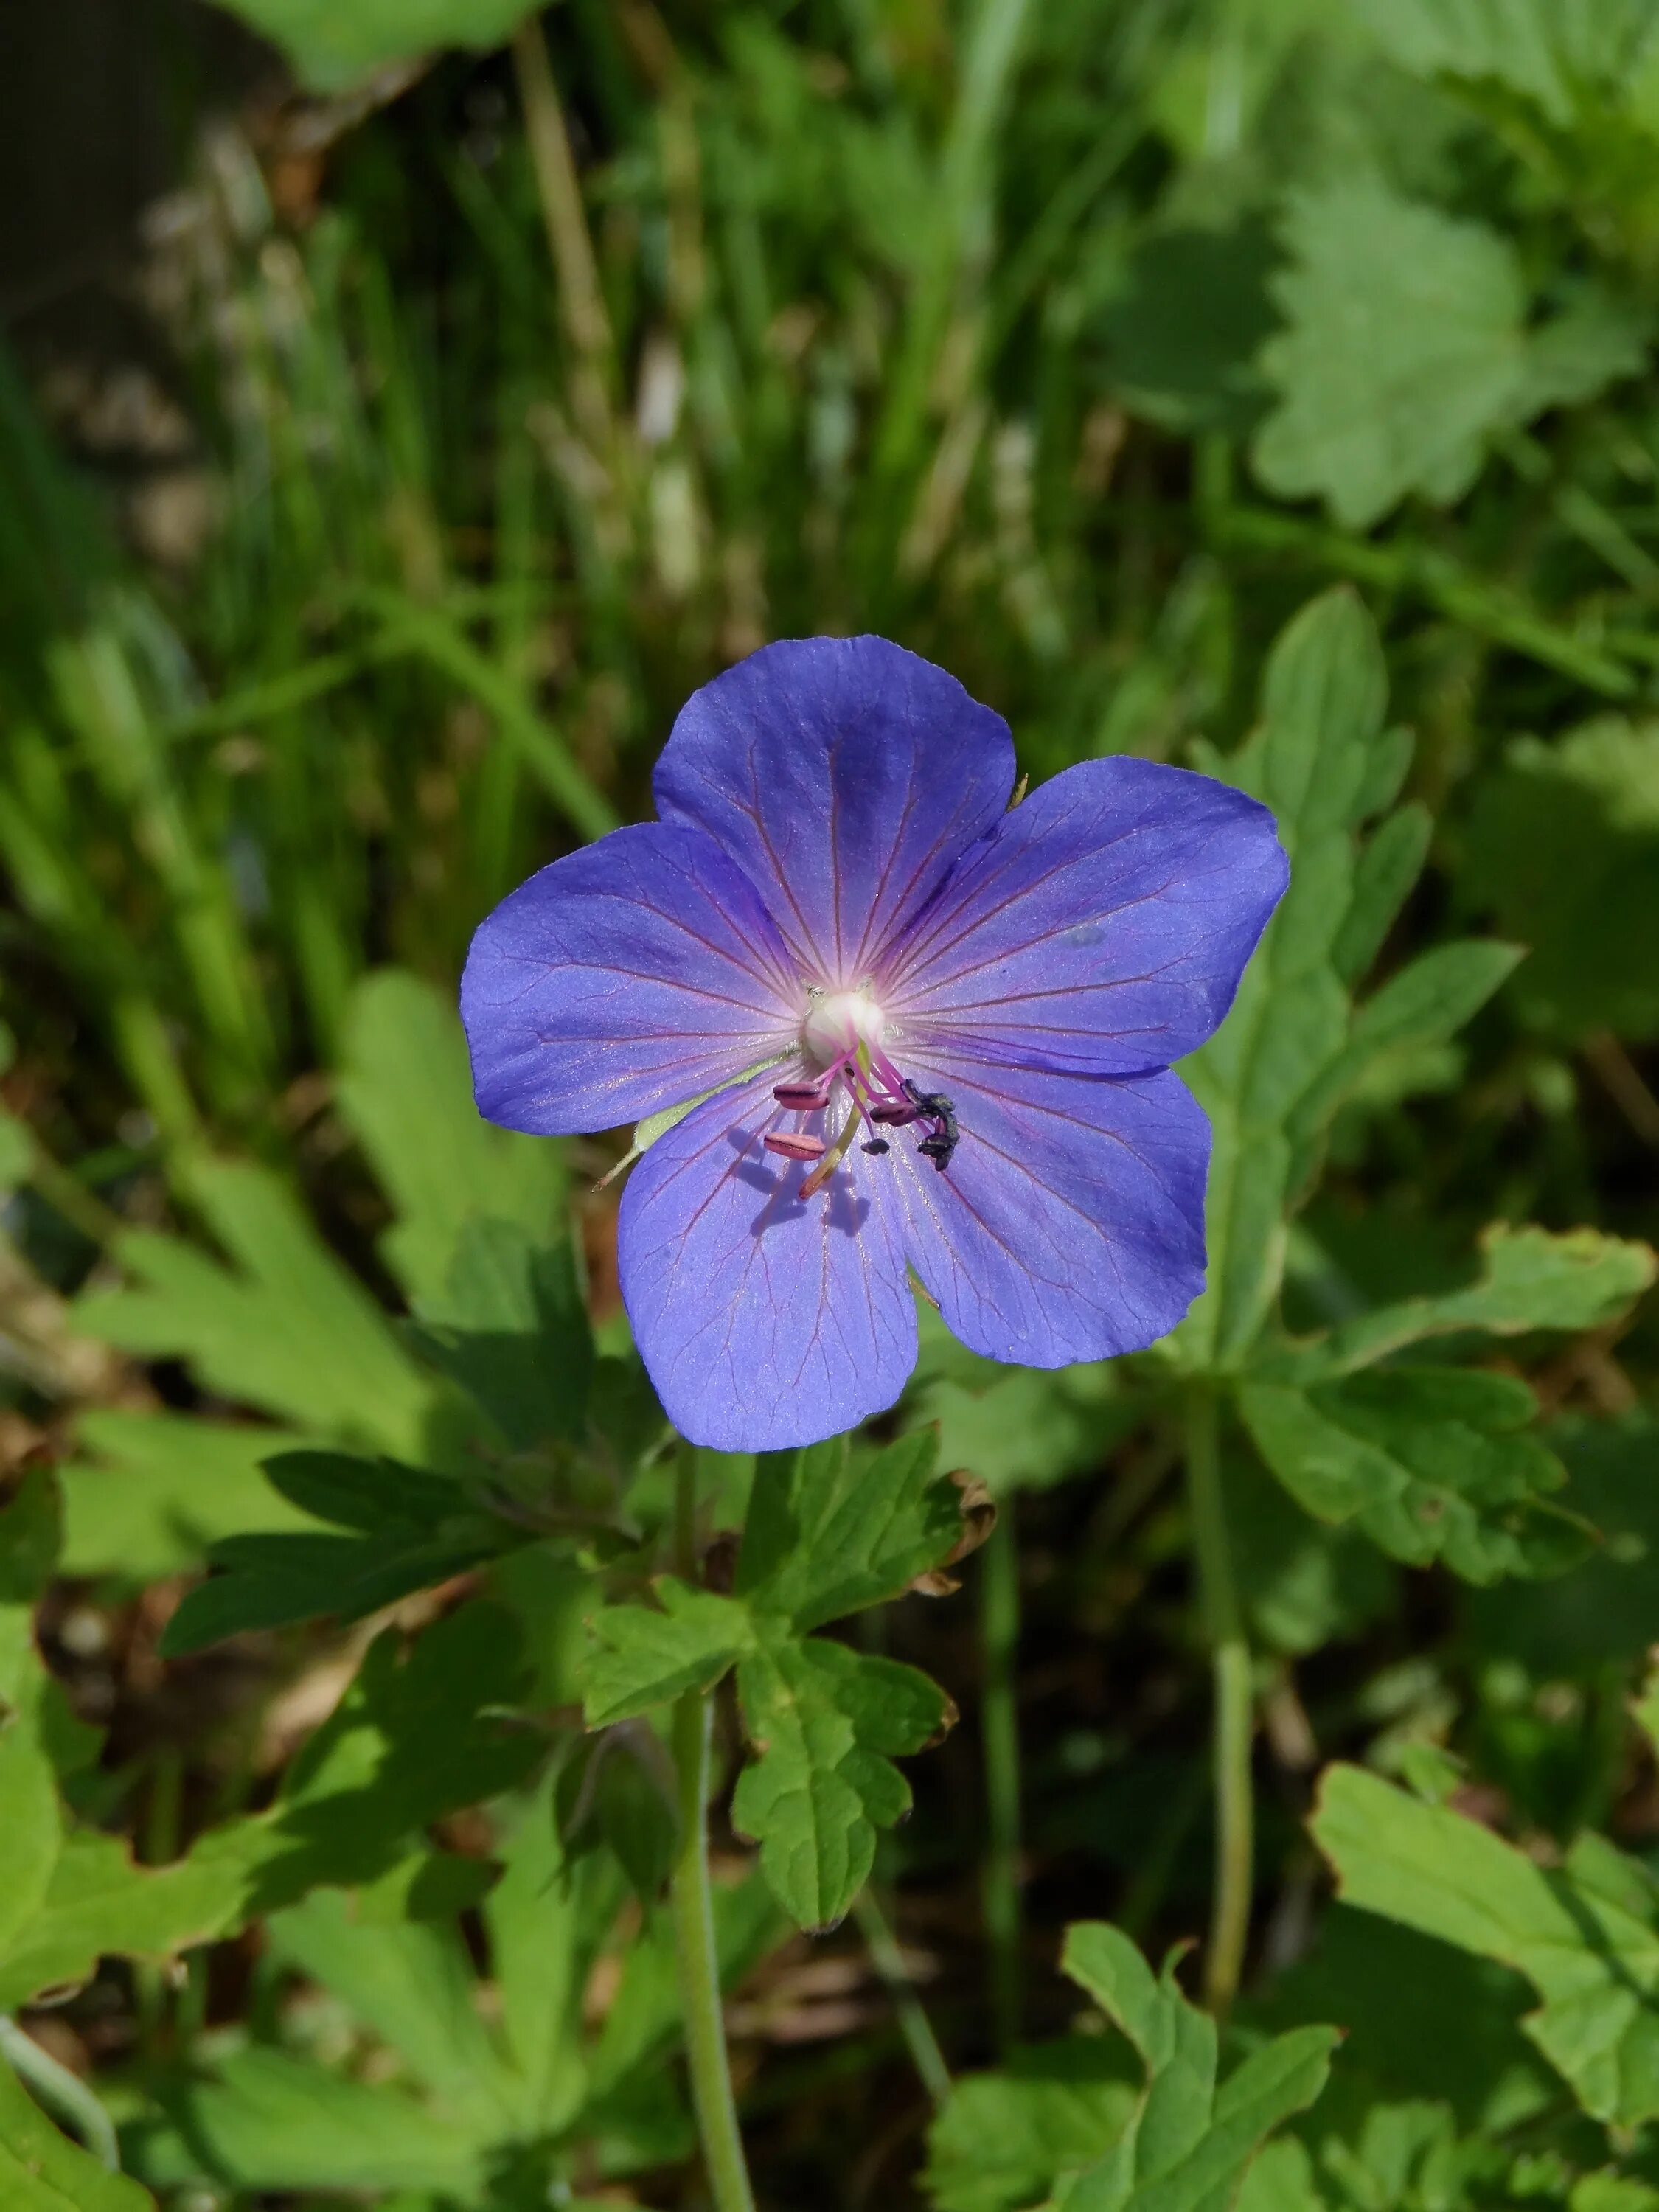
(1000, 1733)
(692, 1910)
(1223, 1623)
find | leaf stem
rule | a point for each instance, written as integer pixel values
(1223, 1623)
(692, 1904)
(999, 1592)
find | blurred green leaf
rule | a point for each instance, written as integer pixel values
(412, 1983)
(42, 2170)
(267, 2121)
(159, 1488)
(1551, 53)
(1432, 1462)
(999, 2143)
(1182, 331)
(511, 1327)
(1586, 1935)
(288, 1328)
(31, 1828)
(1563, 846)
(332, 47)
(1406, 350)
(405, 1091)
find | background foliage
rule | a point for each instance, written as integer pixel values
(1263, 384)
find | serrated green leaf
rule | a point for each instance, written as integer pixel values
(1319, 757)
(1563, 847)
(1406, 350)
(511, 1327)
(1432, 1462)
(332, 47)
(287, 1329)
(826, 1723)
(1188, 2144)
(1548, 53)
(642, 1656)
(42, 2170)
(1530, 1278)
(1586, 1935)
(405, 1088)
(834, 1527)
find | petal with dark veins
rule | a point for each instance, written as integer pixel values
(764, 1320)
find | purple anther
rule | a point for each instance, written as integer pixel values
(792, 1147)
(802, 1098)
(897, 1116)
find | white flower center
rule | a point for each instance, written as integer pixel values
(837, 1021)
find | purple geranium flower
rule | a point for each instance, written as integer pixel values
(937, 1034)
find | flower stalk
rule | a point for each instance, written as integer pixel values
(1000, 1733)
(691, 1902)
(1230, 1659)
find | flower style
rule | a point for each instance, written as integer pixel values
(923, 1031)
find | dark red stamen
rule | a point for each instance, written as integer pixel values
(802, 1098)
(792, 1147)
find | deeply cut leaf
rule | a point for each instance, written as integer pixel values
(826, 1723)
(1432, 1462)
(1586, 1935)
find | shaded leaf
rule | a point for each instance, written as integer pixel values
(511, 1327)
(1432, 1462)
(1563, 846)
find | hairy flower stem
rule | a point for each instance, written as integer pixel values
(999, 1589)
(693, 1906)
(1224, 1623)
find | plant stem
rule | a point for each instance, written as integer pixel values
(999, 1592)
(912, 2015)
(693, 1908)
(580, 297)
(1224, 1623)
